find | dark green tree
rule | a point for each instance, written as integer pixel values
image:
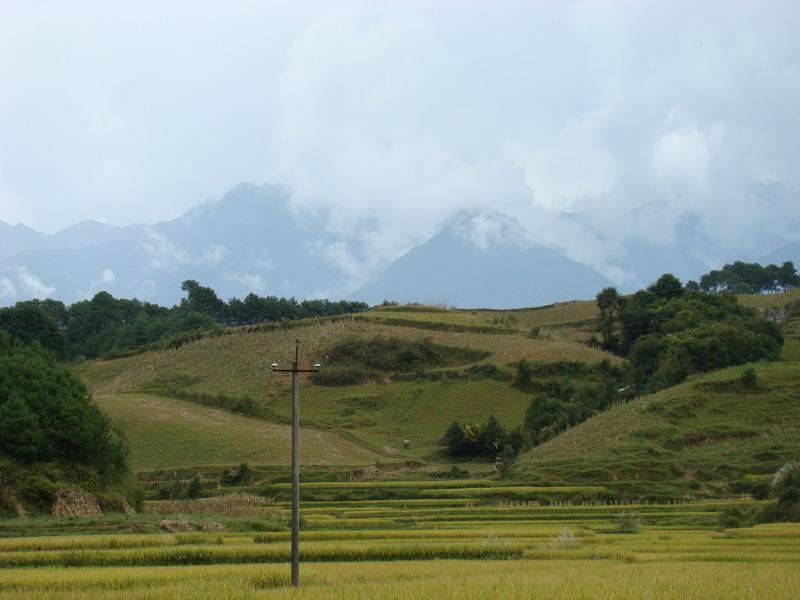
(195, 488)
(20, 432)
(47, 414)
(608, 301)
(491, 437)
(203, 299)
(28, 322)
(667, 287)
(454, 439)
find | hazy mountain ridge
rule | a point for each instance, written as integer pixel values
(483, 260)
(250, 241)
(247, 241)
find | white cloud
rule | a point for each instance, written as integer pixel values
(393, 120)
(7, 288)
(387, 119)
(166, 255)
(213, 255)
(487, 229)
(32, 286)
(104, 281)
(251, 281)
(107, 276)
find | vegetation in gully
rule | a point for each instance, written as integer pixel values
(632, 446)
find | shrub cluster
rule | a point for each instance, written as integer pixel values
(47, 415)
(242, 475)
(486, 440)
(357, 360)
(566, 393)
(668, 332)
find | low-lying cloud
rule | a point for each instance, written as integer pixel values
(590, 123)
(635, 117)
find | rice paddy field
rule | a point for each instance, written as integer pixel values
(637, 502)
(454, 544)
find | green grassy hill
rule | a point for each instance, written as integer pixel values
(709, 436)
(166, 433)
(705, 430)
(232, 371)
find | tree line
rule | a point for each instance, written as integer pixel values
(664, 333)
(105, 325)
(748, 278)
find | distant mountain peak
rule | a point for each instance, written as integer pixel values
(487, 228)
(483, 259)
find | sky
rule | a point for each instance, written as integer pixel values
(591, 122)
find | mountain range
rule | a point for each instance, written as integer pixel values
(251, 241)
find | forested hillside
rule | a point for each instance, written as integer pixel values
(51, 432)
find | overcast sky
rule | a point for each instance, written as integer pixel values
(390, 117)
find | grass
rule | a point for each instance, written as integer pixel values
(563, 555)
(634, 451)
(233, 372)
(470, 544)
(238, 364)
(770, 301)
(519, 320)
(167, 433)
(554, 531)
(556, 578)
(704, 437)
(385, 415)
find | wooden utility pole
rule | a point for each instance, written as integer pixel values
(295, 371)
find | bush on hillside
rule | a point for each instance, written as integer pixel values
(195, 488)
(749, 379)
(487, 440)
(391, 354)
(355, 360)
(243, 474)
(567, 393)
(47, 415)
(346, 375)
(669, 332)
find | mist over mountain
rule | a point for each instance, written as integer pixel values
(483, 260)
(246, 242)
(255, 240)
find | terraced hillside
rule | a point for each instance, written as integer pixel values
(466, 377)
(713, 435)
(394, 405)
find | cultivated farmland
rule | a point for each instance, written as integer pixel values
(458, 546)
(653, 498)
